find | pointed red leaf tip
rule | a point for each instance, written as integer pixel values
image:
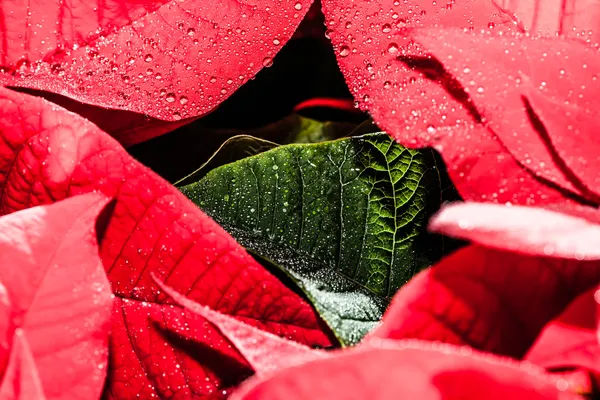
(157, 348)
(568, 232)
(264, 351)
(490, 300)
(169, 59)
(571, 340)
(59, 302)
(407, 370)
(414, 98)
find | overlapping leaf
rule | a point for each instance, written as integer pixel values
(490, 300)
(406, 369)
(562, 231)
(571, 340)
(157, 348)
(461, 105)
(168, 59)
(344, 218)
(56, 304)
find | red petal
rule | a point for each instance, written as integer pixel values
(405, 370)
(165, 58)
(264, 351)
(572, 123)
(574, 18)
(48, 154)
(494, 87)
(419, 103)
(570, 340)
(21, 379)
(525, 230)
(127, 127)
(60, 299)
(492, 301)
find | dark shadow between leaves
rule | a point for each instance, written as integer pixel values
(228, 370)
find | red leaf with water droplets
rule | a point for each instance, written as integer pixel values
(264, 351)
(573, 18)
(58, 302)
(490, 300)
(419, 102)
(564, 231)
(157, 348)
(127, 127)
(571, 340)
(495, 88)
(405, 370)
(571, 122)
(169, 59)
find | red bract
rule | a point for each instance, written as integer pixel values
(405, 370)
(571, 340)
(505, 302)
(168, 59)
(264, 351)
(490, 300)
(56, 302)
(157, 348)
(564, 231)
(515, 68)
(468, 103)
(127, 127)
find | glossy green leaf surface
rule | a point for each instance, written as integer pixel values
(345, 219)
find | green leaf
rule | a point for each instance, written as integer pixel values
(233, 149)
(345, 219)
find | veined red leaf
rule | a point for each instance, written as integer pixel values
(21, 379)
(571, 340)
(495, 89)
(566, 232)
(412, 97)
(264, 351)
(165, 58)
(573, 18)
(571, 122)
(60, 301)
(48, 154)
(492, 301)
(406, 370)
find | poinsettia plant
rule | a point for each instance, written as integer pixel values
(281, 200)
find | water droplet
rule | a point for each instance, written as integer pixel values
(386, 28)
(392, 48)
(276, 42)
(148, 58)
(267, 62)
(191, 32)
(170, 97)
(298, 6)
(183, 100)
(344, 51)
